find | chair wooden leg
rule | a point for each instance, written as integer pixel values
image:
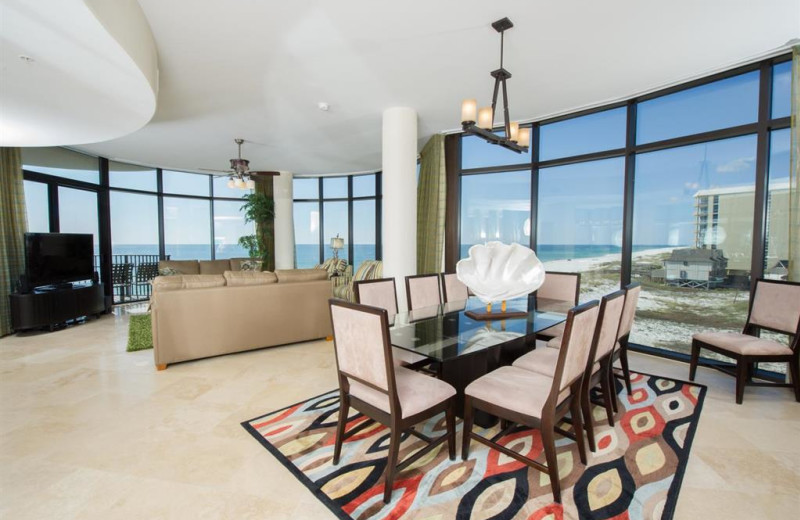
(467, 427)
(608, 396)
(577, 423)
(612, 386)
(795, 371)
(586, 408)
(741, 379)
(694, 360)
(344, 410)
(626, 372)
(391, 465)
(450, 419)
(549, 444)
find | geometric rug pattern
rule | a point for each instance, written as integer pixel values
(635, 473)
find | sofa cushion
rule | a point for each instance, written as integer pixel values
(167, 283)
(300, 275)
(236, 263)
(202, 281)
(182, 266)
(214, 266)
(250, 265)
(236, 278)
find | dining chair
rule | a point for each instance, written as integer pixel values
(632, 292)
(422, 290)
(382, 293)
(598, 366)
(558, 293)
(535, 400)
(775, 307)
(393, 396)
(453, 289)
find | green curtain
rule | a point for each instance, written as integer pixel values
(794, 172)
(431, 202)
(267, 232)
(13, 225)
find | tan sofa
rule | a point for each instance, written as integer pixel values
(202, 266)
(199, 316)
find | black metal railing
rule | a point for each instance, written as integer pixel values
(131, 276)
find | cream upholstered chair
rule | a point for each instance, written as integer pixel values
(536, 400)
(394, 396)
(598, 367)
(625, 326)
(775, 307)
(422, 290)
(558, 293)
(453, 290)
(382, 293)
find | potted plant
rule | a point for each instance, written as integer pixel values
(260, 209)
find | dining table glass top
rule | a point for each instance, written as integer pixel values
(444, 332)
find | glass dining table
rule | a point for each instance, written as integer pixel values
(467, 348)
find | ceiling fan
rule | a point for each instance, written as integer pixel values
(239, 175)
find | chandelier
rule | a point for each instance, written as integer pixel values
(515, 138)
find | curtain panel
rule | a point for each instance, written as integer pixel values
(794, 172)
(431, 196)
(13, 225)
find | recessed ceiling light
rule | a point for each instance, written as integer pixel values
(26, 59)
(323, 106)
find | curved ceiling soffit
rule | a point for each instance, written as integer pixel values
(92, 73)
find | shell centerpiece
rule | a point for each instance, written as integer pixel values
(496, 271)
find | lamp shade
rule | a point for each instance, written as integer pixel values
(337, 243)
(524, 137)
(513, 133)
(469, 111)
(485, 118)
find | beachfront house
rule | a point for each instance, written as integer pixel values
(647, 143)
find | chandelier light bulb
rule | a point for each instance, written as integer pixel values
(485, 118)
(524, 136)
(469, 111)
(513, 132)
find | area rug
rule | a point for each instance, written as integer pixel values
(140, 332)
(635, 473)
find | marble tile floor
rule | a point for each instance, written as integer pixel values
(91, 431)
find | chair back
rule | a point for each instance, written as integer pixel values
(776, 306)
(560, 286)
(145, 272)
(380, 293)
(369, 270)
(453, 290)
(629, 310)
(361, 343)
(576, 344)
(608, 323)
(422, 291)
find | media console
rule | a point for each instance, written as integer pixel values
(51, 308)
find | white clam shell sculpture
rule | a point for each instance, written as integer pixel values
(496, 271)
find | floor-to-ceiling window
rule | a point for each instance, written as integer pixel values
(662, 190)
(346, 207)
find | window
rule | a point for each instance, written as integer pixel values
(334, 187)
(495, 206)
(129, 176)
(185, 183)
(37, 207)
(681, 247)
(77, 213)
(187, 228)
(724, 103)
(229, 225)
(134, 225)
(579, 222)
(477, 153)
(364, 185)
(305, 188)
(363, 231)
(61, 162)
(776, 250)
(335, 224)
(306, 234)
(581, 135)
(782, 89)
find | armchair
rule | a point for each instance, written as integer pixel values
(343, 285)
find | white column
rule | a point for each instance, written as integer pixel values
(284, 221)
(400, 196)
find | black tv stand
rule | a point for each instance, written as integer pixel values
(56, 307)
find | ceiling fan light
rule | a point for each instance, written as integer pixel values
(231, 183)
(239, 182)
(251, 184)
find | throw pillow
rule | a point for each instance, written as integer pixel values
(251, 265)
(168, 271)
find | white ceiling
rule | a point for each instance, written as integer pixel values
(257, 69)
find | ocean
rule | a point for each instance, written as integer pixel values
(308, 254)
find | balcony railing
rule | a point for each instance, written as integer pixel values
(131, 276)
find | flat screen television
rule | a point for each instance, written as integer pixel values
(54, 258)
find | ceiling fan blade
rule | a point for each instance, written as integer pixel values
(226, 172)
(265, 173)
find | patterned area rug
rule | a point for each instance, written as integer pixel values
(635, 473)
